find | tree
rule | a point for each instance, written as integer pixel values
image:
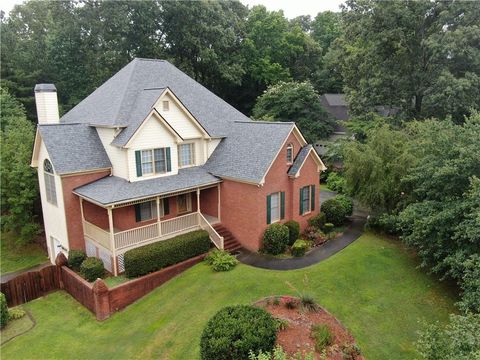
(19, 189)
(298, 102)
(374, 170)
(459, 340)
(419, 56)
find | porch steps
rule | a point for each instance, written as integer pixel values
(230, 243)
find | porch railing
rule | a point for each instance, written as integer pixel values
(97, 234)
(133, 236)
(214, 236)
(180, 223)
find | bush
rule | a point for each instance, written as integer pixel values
(328, 227)
(336, 182)
(221, 260)
(275, 239)
(314, 235)
(234, 331)
(75, 259)
(280, 354)
(317, 221)
(92, 269)
(350, 351)
(293, 231)
(322, 336)
(299, 248)
(335, 210)
(308, 302)
(347, 203)
(16, 313)
(3, 310)
(153, 257)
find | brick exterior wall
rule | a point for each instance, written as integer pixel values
(72, 206)
(209, 201)
(244, 206)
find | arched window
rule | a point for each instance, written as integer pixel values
(289, 153)
(49, 182)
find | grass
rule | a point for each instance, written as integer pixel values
(373, 287)
(16, 328)
(18, 257)
(115, 280)
(323, 186)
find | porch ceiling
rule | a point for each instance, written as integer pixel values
(112, 189)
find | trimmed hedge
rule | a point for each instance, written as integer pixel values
(153, 257)
(234, 331)
(299, 248)
(75, 259)
(337, 209)
(92, 269)
(3, 310)
(275, 239)
(293, 231)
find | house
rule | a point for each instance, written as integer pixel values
(151, 154)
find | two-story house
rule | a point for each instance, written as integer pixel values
(152, 153)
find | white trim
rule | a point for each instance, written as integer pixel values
(321, 166)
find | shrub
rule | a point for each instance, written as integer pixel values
(314, 235)
(16, 313)
(92, 269)
(328, 227)
(153, 257)
(291, 304)
(279, 354)
(293, 231)
(317, 221)
(336, 182)
(346, 202)
(275, 239)
(308, 302)
(299, 248)
(234, 331)
(322, 336)
(3, 310)
(335, 211)
(350, 351)
(282, 324)
(221, 260)
(75, 259)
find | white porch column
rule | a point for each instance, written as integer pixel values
(158, 217)
(198, 200)
(112, 240)
(218, 211)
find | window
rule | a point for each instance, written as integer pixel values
(184, 203)
(307, 199)
(146, 211)
(49, 182)
(275, 207)
(165, 105)
(290, 153)
(153, 161)
(186, 155)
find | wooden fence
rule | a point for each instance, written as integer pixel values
(96, 297)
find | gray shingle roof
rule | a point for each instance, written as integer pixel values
(74, 147)
(117, 102)
(248, 150)
(335, 99)
(299, 160)
(112, 189)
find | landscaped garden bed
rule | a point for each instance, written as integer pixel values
(309, 330)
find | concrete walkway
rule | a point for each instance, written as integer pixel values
(8, 276)
(352, 233)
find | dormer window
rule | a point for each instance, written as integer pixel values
(152, 161)
(289, 154)
(165, 105)
(50, 190)
(186, 155)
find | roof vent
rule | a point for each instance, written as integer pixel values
(47, 104)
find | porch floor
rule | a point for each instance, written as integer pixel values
(211, 219)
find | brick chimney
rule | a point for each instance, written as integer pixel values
(47, 104)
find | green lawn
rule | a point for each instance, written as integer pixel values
(15, 257)
(373, 286)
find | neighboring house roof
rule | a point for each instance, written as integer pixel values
(112, 189)
(74, 148)
(335, 99)
(300, 160)
(248, 150)
(124, 99)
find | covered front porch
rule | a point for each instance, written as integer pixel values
(110, 231)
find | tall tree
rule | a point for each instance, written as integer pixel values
(421, 56)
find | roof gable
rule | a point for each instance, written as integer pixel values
(301, 158)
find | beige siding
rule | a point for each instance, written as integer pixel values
(212, 145)
(47, 107)
(117, 156)
(153, 134)
(177, 118)
(53, 215)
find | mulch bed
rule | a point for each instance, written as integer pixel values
(296, 337)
